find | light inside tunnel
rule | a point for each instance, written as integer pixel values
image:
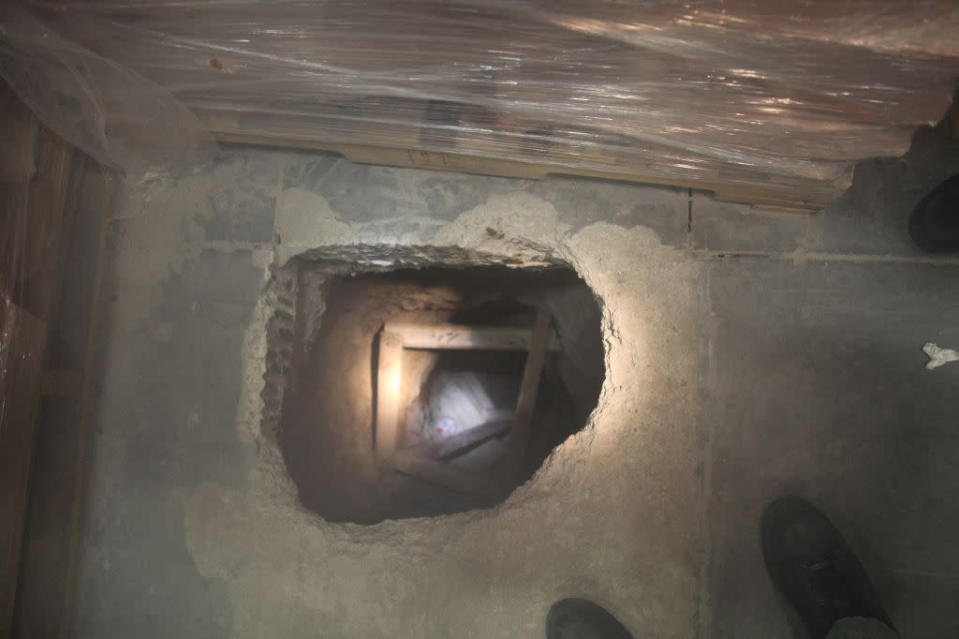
(396, 383)
(459, 401)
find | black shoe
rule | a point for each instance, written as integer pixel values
(934, 225)
(814, 568)
(582, 619)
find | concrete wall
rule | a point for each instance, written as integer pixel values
(748, 354)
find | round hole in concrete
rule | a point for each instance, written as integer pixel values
(402, 389)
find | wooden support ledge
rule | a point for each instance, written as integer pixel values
(458, 337)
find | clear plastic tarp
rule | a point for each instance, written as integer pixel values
(774, 98)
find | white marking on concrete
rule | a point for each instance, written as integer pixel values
(939, 356)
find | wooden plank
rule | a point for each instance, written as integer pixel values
(18, 130)
(389, 389)
(23, 336)
(459, 337)
(528, 390)
(45, 590)
(805, 196)
(32, 272)
(105, 210)
(61, 383)
(457, 444)
(45, 220)
(442, 474)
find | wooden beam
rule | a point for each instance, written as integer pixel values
(18, 130)
(46, 207)
(790, 194)
(106, 208)
(442, 474)
(45, 592)
(457, 444)
(61, 383)
(528, 389)
(389, 389)
(424, 461)
(24, 345)
(33, 279)
(459, 337)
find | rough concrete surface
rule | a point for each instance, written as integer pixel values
(748, 355)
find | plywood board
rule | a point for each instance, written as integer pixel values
(24, 341)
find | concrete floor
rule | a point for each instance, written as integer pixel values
(749, 355)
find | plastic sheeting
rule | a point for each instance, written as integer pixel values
(98, 104)
(774, 98)
(34, 176)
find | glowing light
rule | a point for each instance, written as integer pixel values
(459, 401)
(395, 382)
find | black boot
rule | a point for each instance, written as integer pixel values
(934, 225)
(582, 619)
(814, 568)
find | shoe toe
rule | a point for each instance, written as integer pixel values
(582, 619)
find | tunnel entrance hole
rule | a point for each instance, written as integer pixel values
(427, 391)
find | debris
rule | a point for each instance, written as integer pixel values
(939, 356)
